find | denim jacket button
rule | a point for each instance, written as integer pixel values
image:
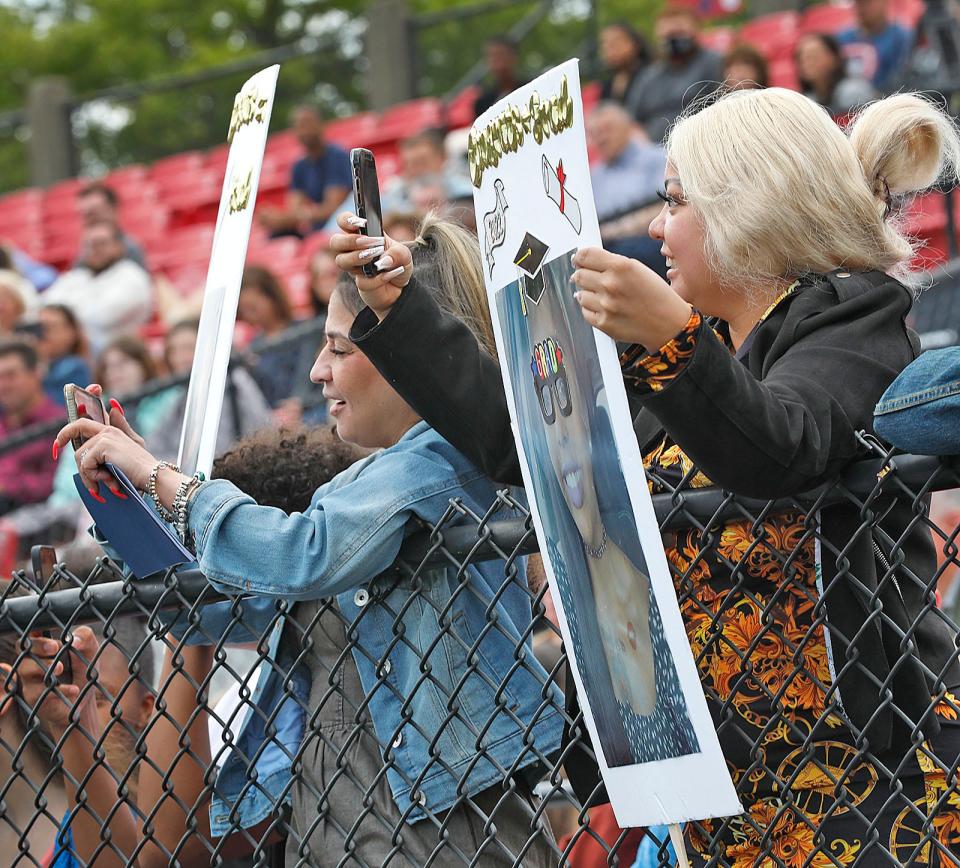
(398, 740)
(361, 597)
(843, 274)
(386, 667)
(419, 797)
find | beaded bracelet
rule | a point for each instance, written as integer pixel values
(165, 513)
(181, 502)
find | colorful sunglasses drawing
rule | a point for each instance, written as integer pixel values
(550, 380)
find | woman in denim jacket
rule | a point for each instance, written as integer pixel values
(443, 698)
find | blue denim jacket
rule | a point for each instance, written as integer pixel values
(345, 545)
(920, 411)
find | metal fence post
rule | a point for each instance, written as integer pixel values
(52, 154)
(388, 52)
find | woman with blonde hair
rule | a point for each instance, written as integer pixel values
(824, 660)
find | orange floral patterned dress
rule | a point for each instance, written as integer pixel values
(749, 599)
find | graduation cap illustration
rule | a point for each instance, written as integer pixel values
(529, 258)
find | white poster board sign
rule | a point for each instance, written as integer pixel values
(249, 123)
(632, 664)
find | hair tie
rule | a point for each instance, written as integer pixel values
(887, 199)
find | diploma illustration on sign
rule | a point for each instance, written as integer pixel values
(616, 604)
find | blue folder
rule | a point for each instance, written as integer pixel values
(142, 540)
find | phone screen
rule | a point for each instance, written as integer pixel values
(93, 405)
(366, 190)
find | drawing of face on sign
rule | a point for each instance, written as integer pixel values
(564, 395)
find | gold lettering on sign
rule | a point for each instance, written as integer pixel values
(506, 133)
(248, 108)
(240, 191)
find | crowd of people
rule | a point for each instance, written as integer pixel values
(391, 720)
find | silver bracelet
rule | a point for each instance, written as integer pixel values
(165, 513)
(185, 492)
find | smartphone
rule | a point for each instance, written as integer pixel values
(366, 196)
(92, 404)
(44, 560)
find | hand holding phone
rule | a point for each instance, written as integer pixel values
(366, 197)
(92, 408)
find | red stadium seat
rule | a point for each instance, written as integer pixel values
(907, 12)
(774, 34)
(176, 166)
(827, 18)
(126, 178)
(407, 119)
(783, 73)
(926, 220)
(590, 94)
(356, 131)
(460, 108)
(718, 39)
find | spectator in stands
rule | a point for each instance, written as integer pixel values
(401, 226)
(821, 70)
(12, 275)
(625, 54)
(99, 203)
(503, 61)
(12, 306)
(321, 180)
(684, 72)
(744, 68)
(63, 346)
(277, 369)
(427, 179)
(245, 410)
(26, 473)
(110, 294)
(323, 279)
(346, 540)
(39, 274)
(626, 177)
(876, 47)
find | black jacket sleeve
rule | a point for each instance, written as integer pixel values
(787, 421)
(436, 365)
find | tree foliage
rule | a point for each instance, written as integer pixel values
(96, 44)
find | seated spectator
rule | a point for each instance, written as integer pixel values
(323, 278)
(821, 70)
(624, 53)
(684, 72)
(245, 410)
(123, 369)
(320, 182)
(12, 274)
(745, 68)
(502, 59)
(626, 178)
(98, 203)
(876, 47)
(427, 181)
(401, 226)
(278, 370)
(39, 274)
(26, 473)
(63, 346)
(12, 306)
(110, 294)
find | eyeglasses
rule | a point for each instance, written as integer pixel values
(550, 380)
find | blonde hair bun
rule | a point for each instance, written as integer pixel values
(906, 140)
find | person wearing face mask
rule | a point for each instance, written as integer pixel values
(416, 748)
(824, 660)
(684, 73)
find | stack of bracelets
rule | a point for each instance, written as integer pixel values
(181, 502)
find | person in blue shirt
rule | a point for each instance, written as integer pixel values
(319, 184)
(439, 696)
(63, 345)
(876, 47)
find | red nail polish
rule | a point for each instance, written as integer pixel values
(118, 493)
(81, 409)
(96, 495)
(115, 404)
(55, 451)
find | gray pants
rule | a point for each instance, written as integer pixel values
(343, 810)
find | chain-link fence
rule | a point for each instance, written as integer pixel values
(191, 728)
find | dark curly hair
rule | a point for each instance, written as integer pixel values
(284, 467)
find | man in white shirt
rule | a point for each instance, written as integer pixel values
(110, 294)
